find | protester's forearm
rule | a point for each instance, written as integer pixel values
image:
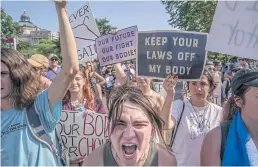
(60, 85)
(119, 71)
(101, 80)
(165, 112)
(68, 45)
(101, 83)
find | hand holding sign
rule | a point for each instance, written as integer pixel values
(114, 32)
(170, 84)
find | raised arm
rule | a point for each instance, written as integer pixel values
(169, 86)
(101, 80)
(120, 74)
(70, 68)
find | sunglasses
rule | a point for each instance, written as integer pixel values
(53, 59)
(235, 71)
(211, 69)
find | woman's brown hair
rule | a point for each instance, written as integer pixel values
(211, 83)
(133, 94)
(230, 106)
(87, 91)
(24, 78)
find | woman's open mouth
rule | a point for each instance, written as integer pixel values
(129, 150)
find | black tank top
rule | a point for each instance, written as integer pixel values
(152, 159)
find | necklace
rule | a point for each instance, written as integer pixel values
(199, 121)
(78, 105)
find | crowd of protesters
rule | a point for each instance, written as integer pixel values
(146, 129)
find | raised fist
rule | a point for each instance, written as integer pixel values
(60, 3)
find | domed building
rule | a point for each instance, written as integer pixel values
(26, 24)
(32, 33)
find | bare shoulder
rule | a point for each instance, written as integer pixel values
(165, 157)
(95, 158)
(210, 151)
(213, 137)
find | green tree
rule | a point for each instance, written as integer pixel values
(46, 47)
(193, 16)
(23, 47)
(104, 26)
(9, 27)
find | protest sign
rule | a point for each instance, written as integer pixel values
(117, 48)
(82, 136)
(85, 32)
(161, 53)
(158, 87)
(217, 94)
(234, 29)
(217, 91)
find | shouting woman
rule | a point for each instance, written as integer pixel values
(133, 125)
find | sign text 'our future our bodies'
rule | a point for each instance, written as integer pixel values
(117, 48)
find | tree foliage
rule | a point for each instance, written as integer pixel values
(104, 26)
(9, 28)
(193, 16)
(44, 47)
(23, 47)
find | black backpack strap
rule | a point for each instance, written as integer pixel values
(174, 132)
(224, 134)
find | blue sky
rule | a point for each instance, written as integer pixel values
(147, 15)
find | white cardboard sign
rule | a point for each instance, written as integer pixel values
(158, 87)
(85, 32)
(117, 48)
(234, 29)
(217, 91)
(82, 136)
